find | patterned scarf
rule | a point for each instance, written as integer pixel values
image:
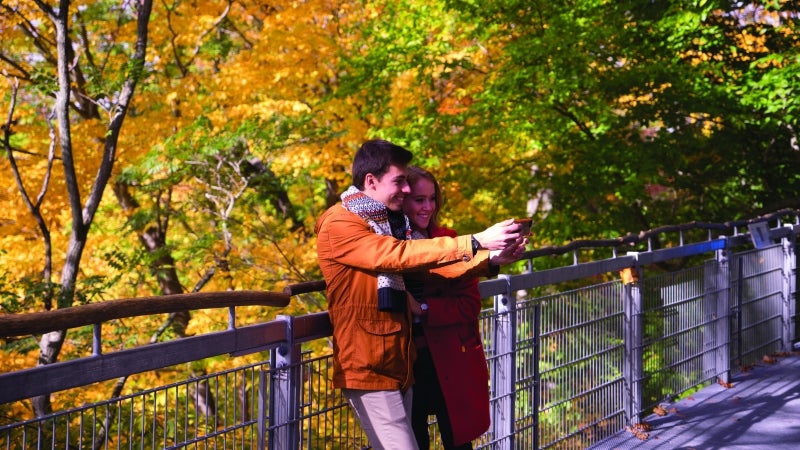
(391, 288)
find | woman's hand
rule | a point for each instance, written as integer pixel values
(413, 305)
(510, 254)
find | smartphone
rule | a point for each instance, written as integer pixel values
(524, 226)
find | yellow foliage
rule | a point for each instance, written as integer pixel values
(280, 62)
(14, 361)
(750, 43)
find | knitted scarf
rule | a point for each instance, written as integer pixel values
(390, 285)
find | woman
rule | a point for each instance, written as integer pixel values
(450, 372)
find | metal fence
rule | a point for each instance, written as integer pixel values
(575, 354)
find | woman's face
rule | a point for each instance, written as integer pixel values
(420, 204)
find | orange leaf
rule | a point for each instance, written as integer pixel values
(638, 433)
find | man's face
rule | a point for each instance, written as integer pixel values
(390, 189)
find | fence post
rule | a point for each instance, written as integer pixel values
(503, 375)
(722, 310)
(633, 366)
(284, 392)
(788, 272)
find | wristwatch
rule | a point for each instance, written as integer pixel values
(475, 245)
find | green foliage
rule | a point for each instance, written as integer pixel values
(613, 110)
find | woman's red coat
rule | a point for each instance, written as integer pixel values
(454, 340)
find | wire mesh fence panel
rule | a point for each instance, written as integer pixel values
(581, 359)
(756, 316)
(209, 411)
(676, 330)
(327, 420)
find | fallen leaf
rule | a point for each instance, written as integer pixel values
(660, 411)
(641, 435)
(769, 359)
(725, 385)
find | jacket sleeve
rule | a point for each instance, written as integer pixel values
(451, 302)
(349, 240)
(480, 269)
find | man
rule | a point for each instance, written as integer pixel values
(362, 260)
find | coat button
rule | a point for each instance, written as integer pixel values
(466, 258)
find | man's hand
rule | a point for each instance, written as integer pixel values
(499, 235)
(510, 254)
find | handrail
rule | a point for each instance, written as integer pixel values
(77, 316)
(631, 239)
(304, 287)
(63, 375)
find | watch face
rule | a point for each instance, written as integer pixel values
(423, 306)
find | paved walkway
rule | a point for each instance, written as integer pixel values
(760, 411)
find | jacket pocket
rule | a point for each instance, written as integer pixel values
(380, 346)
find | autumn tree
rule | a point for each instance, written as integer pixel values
(58, 85)
(232, 184)
(209, 144)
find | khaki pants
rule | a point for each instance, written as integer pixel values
(385, 417)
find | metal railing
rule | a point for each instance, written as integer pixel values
(575, 354)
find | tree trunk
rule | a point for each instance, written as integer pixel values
(83, 215)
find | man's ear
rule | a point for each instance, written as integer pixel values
(370, 181)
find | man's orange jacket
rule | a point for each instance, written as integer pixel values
(372, 349)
